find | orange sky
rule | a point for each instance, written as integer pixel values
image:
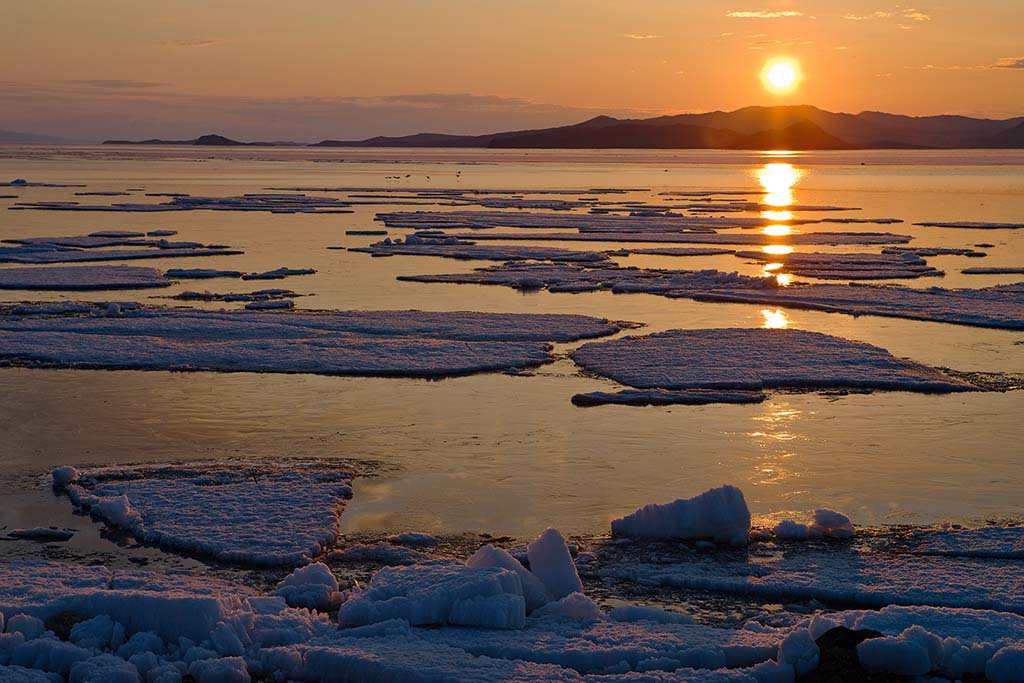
(309, 69)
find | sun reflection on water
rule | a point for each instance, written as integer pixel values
(777, 249)
(774, 320)
(778, 180)
(774, 435)
(776, 230)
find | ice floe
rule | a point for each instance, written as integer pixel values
(979, 225)
(1001, 306)
(467, 250)
(698, 237)
(253, 514)
(278, 274)
(381, 343)
(937, 251)
(199, 273)
(664, 397)
(479, 220)
(855, 266)
(57, 278)
(994, 270)
(275, 203)
(21, 182)
(756, 359)
(566, 277)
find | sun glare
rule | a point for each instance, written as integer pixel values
(781, 75)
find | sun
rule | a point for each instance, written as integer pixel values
(781, 75)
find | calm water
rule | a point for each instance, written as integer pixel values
(511, 454)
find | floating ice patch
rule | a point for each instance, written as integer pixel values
(719, 514)
(63, 278)
(698, 237)
(42, 533)
(255, 514)
(464, 250)
(21, 182)
(662, 397)
(199, 273)
(672, 251)
(46, 253)
(994, 270)
(479, 220)
(856, 266)
(387, 343)
(756, 359)
(1001, 306)
(978, 225)
(567, 277)
(278, 274)
(936, 251)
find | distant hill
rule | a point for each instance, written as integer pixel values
(754, 128)
(208, 140)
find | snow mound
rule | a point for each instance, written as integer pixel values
(719, 514)
(551, 562)
(534, 592)
(312, 586)
(439, 592)
(254, 514)
(754, 359)
(826, 523)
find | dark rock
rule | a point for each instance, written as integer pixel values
(838, 662)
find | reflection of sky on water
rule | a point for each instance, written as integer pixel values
(774, 436)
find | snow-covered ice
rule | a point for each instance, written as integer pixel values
(756, 359)
(386, 343)
(1001, 306)
(61, 278)
(254, 514)
(698, 237)
(719, 514)
(848, 266)
(981, 225)
(824, 524)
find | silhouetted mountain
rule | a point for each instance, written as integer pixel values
(790, 127)
(1012, 138)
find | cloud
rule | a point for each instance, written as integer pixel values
(909, 13)
(1009, 63)
(792, 42)
(116, 83)
(763, 14)
(999, 64)
(640, 36)
(190, 42)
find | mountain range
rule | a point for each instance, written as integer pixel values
(752, 128)
(755, 128)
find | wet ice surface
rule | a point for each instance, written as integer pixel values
(397, 343)
(756, 359)
(81, 278)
